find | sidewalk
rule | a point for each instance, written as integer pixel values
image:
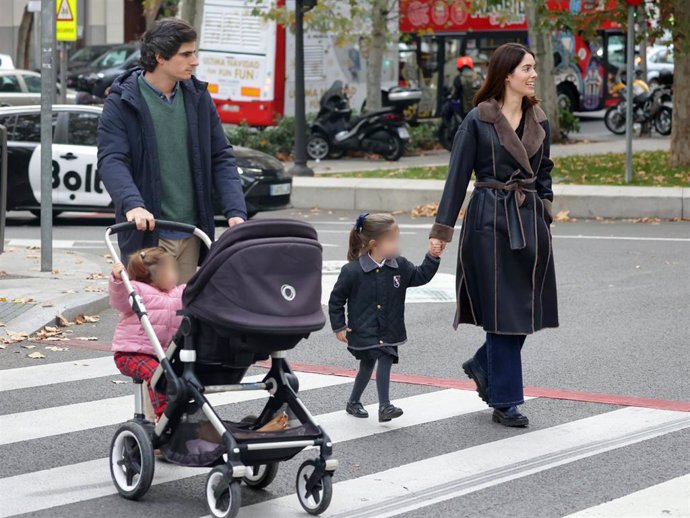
(441, 157)
(31, 299)
(580, 201)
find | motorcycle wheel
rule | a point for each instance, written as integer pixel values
(397, 148)
(615, 121)
(663, 120)
(318, 146)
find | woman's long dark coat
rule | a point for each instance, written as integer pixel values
(505, 276)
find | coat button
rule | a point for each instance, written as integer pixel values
(381, 342)
(378, 306)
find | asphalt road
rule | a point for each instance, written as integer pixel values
(625, 329)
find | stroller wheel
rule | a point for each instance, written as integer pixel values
(132, 461)
(222, 494)
(314, 495)
(261, 475)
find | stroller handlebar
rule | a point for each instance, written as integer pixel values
(160, 223)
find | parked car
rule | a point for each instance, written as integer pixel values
(101, 73)
(86, 55)
(76, 183)
(658, 58)
(6, 62)
(23, 87)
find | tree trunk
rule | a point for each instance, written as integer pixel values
(24, 40)
(542, 46)
(680, 135)
(377, 48)
(151, 9)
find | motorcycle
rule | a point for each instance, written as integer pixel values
(384, 132)
(451, 118)
(650, 107)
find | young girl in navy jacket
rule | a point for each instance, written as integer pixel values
(373, 287)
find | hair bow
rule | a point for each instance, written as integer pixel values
(359, 224)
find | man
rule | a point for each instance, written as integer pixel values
(466, 83)
(162, 151)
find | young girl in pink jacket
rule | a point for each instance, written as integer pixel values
(153, 273)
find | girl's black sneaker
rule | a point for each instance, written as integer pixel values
(389, 412)
(356, 409)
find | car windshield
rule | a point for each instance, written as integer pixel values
(114, 57)
(87, 54)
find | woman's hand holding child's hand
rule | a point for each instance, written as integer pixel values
(342, 335)
(436, 247)
(117, 269)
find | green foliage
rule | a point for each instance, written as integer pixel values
(568, 122)
(277, 140)
(423, 137)
(650, 168)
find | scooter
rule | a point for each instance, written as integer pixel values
(451, 118)
(384, 132)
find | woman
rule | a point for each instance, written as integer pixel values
(505, 277)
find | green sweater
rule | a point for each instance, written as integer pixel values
(178, 199)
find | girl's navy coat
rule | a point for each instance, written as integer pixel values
(375, 298)
(128, 157)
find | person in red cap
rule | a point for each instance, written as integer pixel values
(466, 83)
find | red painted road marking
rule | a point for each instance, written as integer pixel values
(447, 383)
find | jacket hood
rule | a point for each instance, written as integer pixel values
(125, 84)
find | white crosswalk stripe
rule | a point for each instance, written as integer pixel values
(403, 488)
(670, 498)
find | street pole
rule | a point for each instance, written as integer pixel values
(63, 72)
(47, 93)
(3, 185)
(630, 78)
(300, 168)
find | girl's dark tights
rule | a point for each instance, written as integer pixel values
(383, 379)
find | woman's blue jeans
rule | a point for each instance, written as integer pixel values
(500, 360)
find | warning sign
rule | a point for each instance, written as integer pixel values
(66, 20)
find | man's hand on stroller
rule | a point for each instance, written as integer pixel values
(342, 335)
(117, 269)
(142, 217)
(232, 222)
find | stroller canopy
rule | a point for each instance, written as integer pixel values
(262, 277)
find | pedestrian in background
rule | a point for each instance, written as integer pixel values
(506, 277)
(162, 150)
(373, 286)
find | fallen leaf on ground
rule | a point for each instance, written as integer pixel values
(23, 300)
(429, 210)
(3, 299)
(3, 347)
(36, 355)
(118, 382)
(55, 271)
(95, 276)
(62, 321)
(69, 291)
(47, 305)
(94, 289)
(87, 338)
(3, 273)
(83, 319)
(56, 349)
(563, 215)
(29, 346)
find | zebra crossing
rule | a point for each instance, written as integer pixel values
(434, 467)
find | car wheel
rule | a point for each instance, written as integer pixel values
(566, 98)
(663, 120)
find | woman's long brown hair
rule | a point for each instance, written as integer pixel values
(502, 63)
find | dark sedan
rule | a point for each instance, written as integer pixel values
(76, 183)
(96, 77)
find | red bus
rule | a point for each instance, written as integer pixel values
(436, 32)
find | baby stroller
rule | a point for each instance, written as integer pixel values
(256, 295)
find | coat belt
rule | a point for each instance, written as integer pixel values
(517, 189)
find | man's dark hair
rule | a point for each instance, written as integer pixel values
(164, 39)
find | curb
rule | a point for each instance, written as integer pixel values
(581, 201)
(38, 317)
